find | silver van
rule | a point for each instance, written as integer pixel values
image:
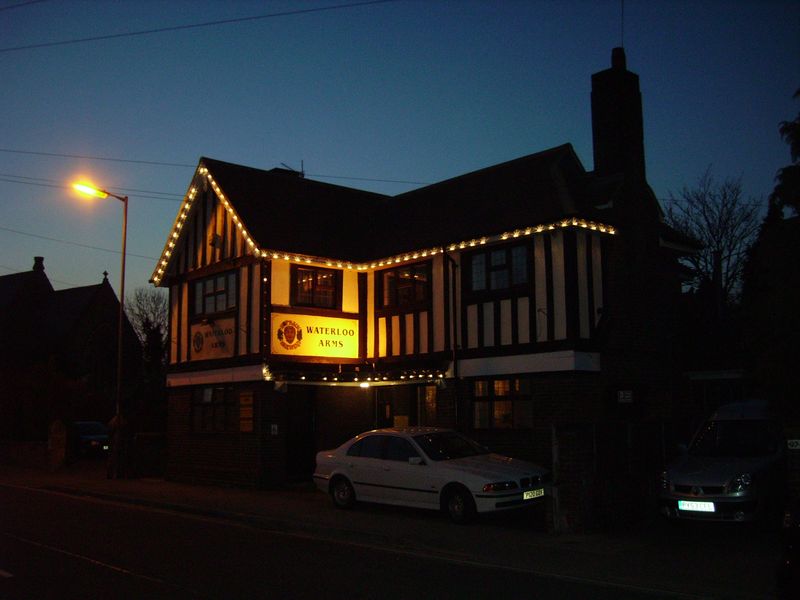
(733, 469)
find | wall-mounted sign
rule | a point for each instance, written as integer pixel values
(213, 339)
(308, 335)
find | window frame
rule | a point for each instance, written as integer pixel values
(514, 391)
(213, 409)
(394, 302)
(200, 293)
(491, 270)
(314, 303)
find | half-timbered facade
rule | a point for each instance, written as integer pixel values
(502, 302)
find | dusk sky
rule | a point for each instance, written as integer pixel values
(383, 96)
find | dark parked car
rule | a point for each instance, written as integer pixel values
(91, 438)
(734, 469)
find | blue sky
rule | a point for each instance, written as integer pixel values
(411, 90)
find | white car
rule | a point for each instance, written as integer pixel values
(427, 468)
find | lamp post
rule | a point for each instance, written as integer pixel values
(119, 455)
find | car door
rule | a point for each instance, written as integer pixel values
(364, 464)
(404, 481)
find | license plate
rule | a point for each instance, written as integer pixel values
(531, 494)
(696, 506)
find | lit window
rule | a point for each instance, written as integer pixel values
(405, 287)
(502, 404)
(315, 287)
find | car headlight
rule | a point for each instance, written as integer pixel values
(740, 483)
(500, 487)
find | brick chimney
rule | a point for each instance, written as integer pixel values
(38, 264)
(617, 126)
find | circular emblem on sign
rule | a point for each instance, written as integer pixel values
(197, 342)
(289, 335)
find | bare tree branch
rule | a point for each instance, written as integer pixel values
(716, 215)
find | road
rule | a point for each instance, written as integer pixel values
(57, 546)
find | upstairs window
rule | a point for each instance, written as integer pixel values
(498, 269)
(215, 294)
(318, 288)
(406, 287)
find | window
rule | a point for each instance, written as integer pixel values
(499, 268)
(215, 294)
(406, 286)
(315, 287)
(399, 449)
(368, 447)
(502, 404)
(214, 409)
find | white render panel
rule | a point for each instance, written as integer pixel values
(410, 333)
(248, 373)
(488, 323)
(523, 320)
(567, 360)
(371, 315)
(505, 322)
(472, 326)
(424, 317)
(540, 281)
(255, 308)
(382, 341)
(350, 291)
(184, 317)
(243, 306)
(396, 335)
(280, 282)
(597, 276)
(440, 297)
(583, 286)
(559, 287)
(174, 319)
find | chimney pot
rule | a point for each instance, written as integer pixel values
(618, 59)
(38, 263)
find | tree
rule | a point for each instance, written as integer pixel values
(725, 223)
(148, 313)
(787, 190)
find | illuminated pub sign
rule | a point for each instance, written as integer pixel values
(213, 339)
(307, 335)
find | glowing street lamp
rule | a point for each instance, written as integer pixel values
(121, 458)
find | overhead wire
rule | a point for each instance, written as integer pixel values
(110, 36)
(78, 244)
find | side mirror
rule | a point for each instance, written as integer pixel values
(415, 460)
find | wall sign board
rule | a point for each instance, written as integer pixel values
(309, 335)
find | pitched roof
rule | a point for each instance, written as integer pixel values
(283, 210)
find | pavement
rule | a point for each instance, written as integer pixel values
(687, 560)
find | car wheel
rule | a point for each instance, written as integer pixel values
(459, 505)
(342, 493)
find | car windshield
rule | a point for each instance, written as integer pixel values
(91, 428)
(446, 445)
(735, 439)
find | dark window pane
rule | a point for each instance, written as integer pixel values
(478, 272)
(231, 290)
(198, 298)
(209, 305)
(498, 258)
(399, 449)
(498, 280)
(519, 265)
(372, 446)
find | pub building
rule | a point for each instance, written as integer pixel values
(529, 304)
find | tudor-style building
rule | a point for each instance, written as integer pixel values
(529, 304)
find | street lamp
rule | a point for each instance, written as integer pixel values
(121, 455)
